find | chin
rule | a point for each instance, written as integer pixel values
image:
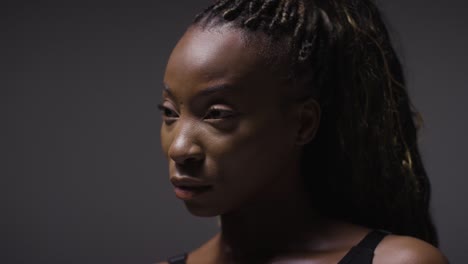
(202, 211)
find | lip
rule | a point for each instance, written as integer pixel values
(187, 188)
(186, 181)
(188, 193)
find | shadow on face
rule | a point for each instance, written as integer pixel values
(227, 122)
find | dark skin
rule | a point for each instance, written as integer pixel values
(245, 140)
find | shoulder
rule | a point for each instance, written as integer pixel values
(180, 258)
(199, 255)
(404, 249)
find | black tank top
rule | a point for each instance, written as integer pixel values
(362, 253)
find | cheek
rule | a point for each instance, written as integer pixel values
(165, 140)
(260, 145)
(249, 160)
(259, 157)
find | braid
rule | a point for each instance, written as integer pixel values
(234, 11)
(265, 11)
(254, 6)
(365, 154)
(298, 30)
(286, 11)
(276, 19)
(221, 4)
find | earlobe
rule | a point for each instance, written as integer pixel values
(309, 113)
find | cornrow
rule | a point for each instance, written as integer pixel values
(293, 15)
(276, 19)
(221, 4)
(254, 6)
(298, 31)
(311, 30)
(264, 11)
(285, 11)
(274, 15)
(234, 11)
(366, 147)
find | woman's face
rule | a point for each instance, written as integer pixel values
(225, 123)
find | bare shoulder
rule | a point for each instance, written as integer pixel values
(404, 249)
(202, 254)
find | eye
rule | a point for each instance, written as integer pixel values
(167, 113)
(219, 113)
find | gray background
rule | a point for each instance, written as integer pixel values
(83, 179)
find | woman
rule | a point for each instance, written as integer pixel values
(290, 120)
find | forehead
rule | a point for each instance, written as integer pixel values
(221, 54)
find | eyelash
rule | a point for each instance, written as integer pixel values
(165, 111)
(223, 112)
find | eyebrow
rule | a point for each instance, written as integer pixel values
(206, 92)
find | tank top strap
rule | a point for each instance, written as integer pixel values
(363, 252)
(372, 239)
(178, 259)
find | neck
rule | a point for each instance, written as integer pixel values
(277, 223)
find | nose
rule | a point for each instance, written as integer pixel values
(184, 148)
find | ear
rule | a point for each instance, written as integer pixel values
(309, 120)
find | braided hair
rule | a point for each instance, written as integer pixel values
(364, 165)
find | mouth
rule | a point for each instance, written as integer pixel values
(189, 192)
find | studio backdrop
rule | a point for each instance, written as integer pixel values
(83, 179)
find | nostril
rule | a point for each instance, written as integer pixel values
(190, 166)
(187, 158)
(192, 161)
